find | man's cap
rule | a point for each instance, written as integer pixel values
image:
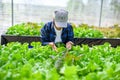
(61, 18)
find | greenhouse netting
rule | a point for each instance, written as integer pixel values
(92, 12)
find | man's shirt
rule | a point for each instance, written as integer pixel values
(48, 34)
(58, 35)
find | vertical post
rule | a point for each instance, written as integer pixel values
(100, 13)
(12, 12)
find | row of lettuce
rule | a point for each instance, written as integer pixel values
(19, 62)
(33, 29)
(81, 31)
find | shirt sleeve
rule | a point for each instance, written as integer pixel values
(45, 35)
(70, 34)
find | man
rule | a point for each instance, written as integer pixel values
(58, 30)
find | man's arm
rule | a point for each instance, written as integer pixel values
(70, 40)
(45, 35)
(45, 38)
(70, 34)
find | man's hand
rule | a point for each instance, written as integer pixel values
(69, 45)
(53, 46)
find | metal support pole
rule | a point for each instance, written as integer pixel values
(12, 12)
(100, 13)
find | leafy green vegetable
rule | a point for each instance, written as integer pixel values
(86, 32)
(19, 62)
(33, 29)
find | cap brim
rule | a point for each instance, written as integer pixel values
(61, 24)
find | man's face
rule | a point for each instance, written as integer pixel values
(57, 27)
